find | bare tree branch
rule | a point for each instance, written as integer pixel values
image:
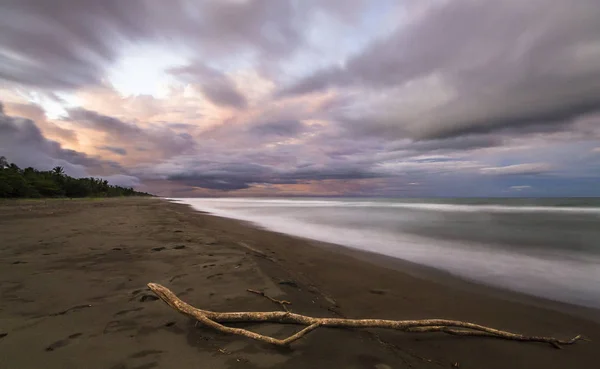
(454, 327)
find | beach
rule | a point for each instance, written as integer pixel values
(73, 286)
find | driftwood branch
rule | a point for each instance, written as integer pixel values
(454, 327)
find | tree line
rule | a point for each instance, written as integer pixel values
(32, 183)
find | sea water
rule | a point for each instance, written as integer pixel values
(543, 247)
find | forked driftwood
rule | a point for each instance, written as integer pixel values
(454, 327)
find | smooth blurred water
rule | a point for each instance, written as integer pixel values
(544, 247)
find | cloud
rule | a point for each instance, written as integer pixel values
(162, 141)
(241, 175)
(288, 128)
(215, 86)
(335, 97)
(22, 142)
(72, 43)
(519, 188)
(93, 120)
(64, 45)
(113, 149)
(470, 67)
(258, 133)
(419, 166)
(459, 143)
(519, 169)
(37, 114)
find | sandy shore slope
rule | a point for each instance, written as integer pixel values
(73, 295)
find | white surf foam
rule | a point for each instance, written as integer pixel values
(558, 275)
(416, 206)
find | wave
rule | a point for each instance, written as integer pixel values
(444, 207)
(567, 273)
(499, 208)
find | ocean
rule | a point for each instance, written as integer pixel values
(543, 247)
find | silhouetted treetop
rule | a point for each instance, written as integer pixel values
(30, 182)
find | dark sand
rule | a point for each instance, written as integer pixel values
(57, 257)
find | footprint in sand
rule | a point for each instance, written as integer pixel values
(143, 366)
(214, 275)
(177, 277)
(145, 353)
(122, 312)
(147, 297)
(63, 342)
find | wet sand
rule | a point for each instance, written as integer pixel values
(73, 295)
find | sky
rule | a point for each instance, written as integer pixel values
(413, 98)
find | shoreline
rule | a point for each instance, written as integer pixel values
(60, 257)
(427, 272)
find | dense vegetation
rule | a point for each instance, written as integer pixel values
(29, 182)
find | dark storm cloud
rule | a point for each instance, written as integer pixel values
(22, 142)
(215, 86)
(346, 172)
(504, 64)
(223, 176)
(553, 112)
(460, 143)
(237, 176)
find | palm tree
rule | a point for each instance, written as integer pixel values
(59, 171)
